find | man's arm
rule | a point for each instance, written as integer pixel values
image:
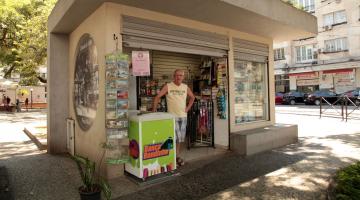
(191, 100)
(162, 92)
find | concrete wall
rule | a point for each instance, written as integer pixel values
(58, 93)
(88, 143)
(357, 77)
(292, 82)
(264, 139)
(350, 29)
(38, 94)
(288, 54)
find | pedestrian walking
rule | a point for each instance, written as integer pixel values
(26, 103)
(4, 100)
(18, 107)
(8, 100)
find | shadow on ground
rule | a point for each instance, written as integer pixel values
(220, 174)
(5, 190)
(305, 179)
(33, 174)
(298, 171)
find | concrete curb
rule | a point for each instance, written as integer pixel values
(39, 145)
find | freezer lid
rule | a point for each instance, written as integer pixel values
(151, 117)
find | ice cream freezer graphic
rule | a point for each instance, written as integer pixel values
(152, 143)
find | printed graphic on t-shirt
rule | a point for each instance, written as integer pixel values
(177, 92)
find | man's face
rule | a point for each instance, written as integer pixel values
(178, 77)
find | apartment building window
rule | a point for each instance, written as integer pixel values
(305, 53)
(279, 54)
(308, 5)
(339, 44)
(335, 18)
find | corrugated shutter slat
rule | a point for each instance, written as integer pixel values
(250, 51)
(164, 63)
(143, 33)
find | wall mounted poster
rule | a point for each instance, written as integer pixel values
(117, 72)
(140, 63)
(86, 82)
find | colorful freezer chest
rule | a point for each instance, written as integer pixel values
(152, 146)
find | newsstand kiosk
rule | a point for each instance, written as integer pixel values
(152, 146)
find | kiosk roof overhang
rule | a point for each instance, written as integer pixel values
(267, 18)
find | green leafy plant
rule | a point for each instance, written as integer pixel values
(23, 92)
(119, 159)
(91, 183)
(23, 38)
(348, 182)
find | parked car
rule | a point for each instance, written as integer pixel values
(315, 97)
(279, 98)
(293, 97)
(353, 95)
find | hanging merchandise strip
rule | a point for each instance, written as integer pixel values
(221, 93)
(116, 106)
(200, 128)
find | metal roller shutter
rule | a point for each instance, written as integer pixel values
(147, 34)
(164, 64)
(250, 51)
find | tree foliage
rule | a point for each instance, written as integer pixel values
(23, 37)
(294, 3)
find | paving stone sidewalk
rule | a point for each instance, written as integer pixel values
(298, 171)
(5, 190)
(33, 174)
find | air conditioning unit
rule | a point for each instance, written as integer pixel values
(328, 27)
(319, 50)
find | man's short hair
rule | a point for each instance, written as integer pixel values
(179, 70)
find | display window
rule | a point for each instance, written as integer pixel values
(251, 93)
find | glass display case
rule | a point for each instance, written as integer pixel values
(251, 101)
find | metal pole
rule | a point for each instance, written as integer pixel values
(31, 98)
(320, 106)
(342, 108)
(15, 93)
(346, 109)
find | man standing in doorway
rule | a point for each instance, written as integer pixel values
(176, 93)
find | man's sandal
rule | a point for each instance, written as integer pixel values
(180, 162)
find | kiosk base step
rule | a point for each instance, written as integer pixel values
(159, 178)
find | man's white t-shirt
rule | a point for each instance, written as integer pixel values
(176, 99)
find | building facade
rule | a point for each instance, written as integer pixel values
(36, 94)
(82, 33)
(329, 61)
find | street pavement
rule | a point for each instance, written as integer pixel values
(33, 174)
(325, 145)
(297, 171)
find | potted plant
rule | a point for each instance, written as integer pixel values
(92, 185)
